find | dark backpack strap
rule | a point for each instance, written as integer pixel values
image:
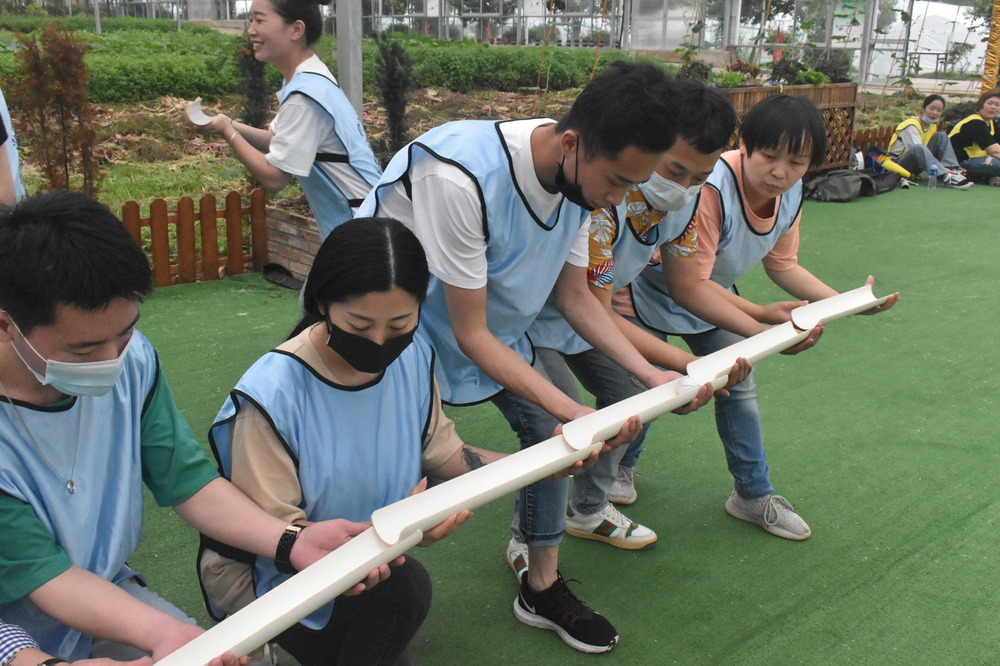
(331, 157)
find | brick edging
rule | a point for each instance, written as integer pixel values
(292, 240)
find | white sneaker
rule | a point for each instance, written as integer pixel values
(772, 512)
(956, 181)
(623, 489)
(610, 526)
(517, 558)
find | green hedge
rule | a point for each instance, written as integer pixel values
(133, 65)
(23, 23)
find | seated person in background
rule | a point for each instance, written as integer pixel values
(975, 142)
(917, 146)
(88, 418)
(342, 419)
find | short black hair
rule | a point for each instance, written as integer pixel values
(64, 247)
(629, 104)
(705, 118)
(785, 122)
(362, 256)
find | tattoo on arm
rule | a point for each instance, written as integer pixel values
(472, 459)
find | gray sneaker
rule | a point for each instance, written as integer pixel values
(623, 489)
(772, 512)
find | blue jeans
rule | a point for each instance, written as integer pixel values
(539, 508)
(981, 168)
(737, 419)
(937, 152)
(609, 383)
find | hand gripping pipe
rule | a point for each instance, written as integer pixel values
(398, 527)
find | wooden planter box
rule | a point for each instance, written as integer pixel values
(836, 102)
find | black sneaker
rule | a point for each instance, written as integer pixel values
(558, 609)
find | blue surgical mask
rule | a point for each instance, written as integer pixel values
(88, 378)
(664, 194)
(927, 121)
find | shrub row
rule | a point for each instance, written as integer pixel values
(15, 22)
(133, 66)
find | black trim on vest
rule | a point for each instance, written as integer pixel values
(635, 232)
(743, 204)
(517, 187)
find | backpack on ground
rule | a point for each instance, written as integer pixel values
(847, 185)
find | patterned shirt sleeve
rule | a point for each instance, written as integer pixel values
(601, 269)
(13, 639)
(685, 245)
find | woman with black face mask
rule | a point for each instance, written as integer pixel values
(341, 419)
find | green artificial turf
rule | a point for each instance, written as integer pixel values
(881, 436)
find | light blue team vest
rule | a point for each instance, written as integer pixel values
(631, 253)
(330, 205)
(11, 146)
(524, 253)
(356, 448)
(99, 525)
(740, 249)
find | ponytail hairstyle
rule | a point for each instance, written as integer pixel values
(306, 11)
(362, 256)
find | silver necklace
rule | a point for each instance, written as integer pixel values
(70, 485)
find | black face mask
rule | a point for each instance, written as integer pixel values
(364, 355)
(572, 191)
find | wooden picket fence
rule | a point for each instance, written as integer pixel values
(873, 137)
(184, 263)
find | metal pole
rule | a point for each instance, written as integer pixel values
(349, 50)
(731, 25)
(871, 11)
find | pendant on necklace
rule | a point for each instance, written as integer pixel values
(70, 487)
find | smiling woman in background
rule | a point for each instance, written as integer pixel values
(316, 135)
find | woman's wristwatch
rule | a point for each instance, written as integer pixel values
(53, 661)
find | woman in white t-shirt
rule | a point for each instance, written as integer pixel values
(316, 135)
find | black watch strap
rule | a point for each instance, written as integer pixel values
(283, 553)
(53, 661)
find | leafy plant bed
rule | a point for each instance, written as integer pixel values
(148, 151)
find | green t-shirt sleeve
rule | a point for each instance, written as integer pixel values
(174, 466)
(29, 554)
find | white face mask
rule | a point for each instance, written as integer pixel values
(90, 378)
(664, 194)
